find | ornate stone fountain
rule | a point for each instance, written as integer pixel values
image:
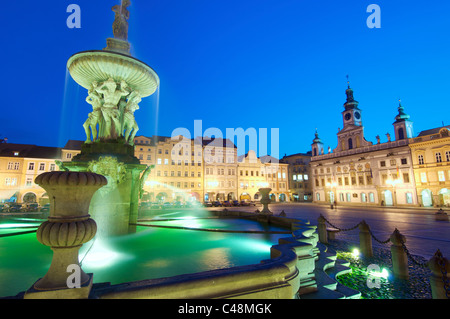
(116, 83)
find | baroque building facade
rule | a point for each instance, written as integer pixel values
(358, 172)
(430, 152)
(300, 186)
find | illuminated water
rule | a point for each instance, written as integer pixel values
(150, 253)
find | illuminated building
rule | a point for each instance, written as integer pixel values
(430, 152)
(358, 172)
(19, 166)
(300, 187)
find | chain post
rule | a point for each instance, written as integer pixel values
(439, 279)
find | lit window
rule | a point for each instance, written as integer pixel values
(158, 161)
(441, 176)
(166, 161)
(423, 177)
(408, 198)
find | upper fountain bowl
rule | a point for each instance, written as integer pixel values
(89, 66)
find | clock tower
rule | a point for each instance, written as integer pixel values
(351, 114)
(352, 135)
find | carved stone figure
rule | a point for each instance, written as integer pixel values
(120, 24)
(94, 118)
(112, 94)
(129, 123)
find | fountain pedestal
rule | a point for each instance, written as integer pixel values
(265, 200)
(68, 227)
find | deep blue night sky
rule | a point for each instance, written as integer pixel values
(253, 63)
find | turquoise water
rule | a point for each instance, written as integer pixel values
(149, 253)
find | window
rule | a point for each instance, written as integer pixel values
(393, 162)
(382, 163)
(438, 157)
(166, 161)
(404, 161)
(401, 134)
(149, 157)
(441, 176)
(346, 180)
(353, 180)
(30, 166)
(420, 157)
(408, 198)
(10, 181)
(371, 197)
(294, 177)
(158, 173)
(299, 177)
(341, 197)
(141, 157)
(41, 166)
(350, 143)
(29, 181)
(165, 173)
(339, 181)
(305, 177)
(363, 197)
(318, 196)
(361, 180)
(447, 155)
(349, 197)
(405, 178)
(383, 179)
(423, 177)
(69, 155)
(158, 161)
(52, 167)
(13, 166)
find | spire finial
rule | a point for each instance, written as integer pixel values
(348, 81)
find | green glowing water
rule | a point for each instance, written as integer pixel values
(150, 253)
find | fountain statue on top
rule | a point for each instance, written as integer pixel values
(116, 83)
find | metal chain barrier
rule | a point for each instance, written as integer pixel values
(340, 229)
(378, 240)
(423, 265)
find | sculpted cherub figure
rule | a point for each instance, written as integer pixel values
(94, 117)
(112, 95)
(129, 122)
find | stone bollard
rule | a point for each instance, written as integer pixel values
(399, 257)
(322, 230)
(440, 278)
(365, 240)
(68, 227)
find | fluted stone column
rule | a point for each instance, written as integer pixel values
(68, 227)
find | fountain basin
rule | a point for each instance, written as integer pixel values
(89, 66)
(149, 254)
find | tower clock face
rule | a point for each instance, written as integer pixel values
(348, 116)
(357, 115)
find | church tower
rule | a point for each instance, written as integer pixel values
(317, 145)
(352, 135)
(403, 127)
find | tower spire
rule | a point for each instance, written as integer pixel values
(350, 103)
